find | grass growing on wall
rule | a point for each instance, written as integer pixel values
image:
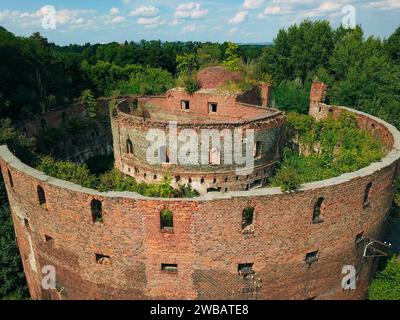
(112, 180)
(327, 149)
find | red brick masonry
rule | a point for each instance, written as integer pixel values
(207, 242)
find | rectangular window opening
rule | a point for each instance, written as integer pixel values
(185, 104)
(213, 107)
(213, 190)
(169, 268)
(245, 269)
(257, 150)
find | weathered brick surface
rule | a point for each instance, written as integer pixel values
(317, 95)
(213, 77)
(245, 111)
(207, 243)
(268, 129)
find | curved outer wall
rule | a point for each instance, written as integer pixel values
(268, 129)
(207, 243)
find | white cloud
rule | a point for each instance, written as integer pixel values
(175, 22)
(274, 10)
(114, 10)
(145, 11)
(239, 17)
(190, 28)
(384, 4)
(233, 30)
(190, 10)
(118, 19)
(150, 22)
(252, 4)
(326, 8)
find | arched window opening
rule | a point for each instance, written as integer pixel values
(247, 217)
(10, 178)
(257, 150)
(215, 156)
(317, 215)
(129, 146)
(48, 239)
(359, 239)
(103, 259)
(166, 220)
(97, 211)
(367, 195)
(41, 195)
(135, 104)
(311, 257)
(164, 154)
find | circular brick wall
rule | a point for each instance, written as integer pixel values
(122, 256)
(131, 143)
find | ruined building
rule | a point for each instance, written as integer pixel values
(237, 240)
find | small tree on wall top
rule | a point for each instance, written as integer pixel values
(232, 61)
(91, 103)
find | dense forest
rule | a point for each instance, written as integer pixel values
(35, 76)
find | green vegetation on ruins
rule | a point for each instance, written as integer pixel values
(326, 149)
(112, 180)
(36, 76)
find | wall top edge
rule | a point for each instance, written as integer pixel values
(394, 155)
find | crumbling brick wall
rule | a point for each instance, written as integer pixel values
(94, 140)
(212, 77)
(207, 242)
(268, 126)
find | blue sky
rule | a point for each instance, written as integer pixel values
(200, 20)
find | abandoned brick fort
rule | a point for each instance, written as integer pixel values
(207, 253)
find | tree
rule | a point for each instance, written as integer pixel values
(91, 103)
(187, 64)
(291, 96)
(392, 45)
(232, 59)
(298, 51)
(361, 75)
(147, 81)
(12, 278)
(208, 55)
(386, 285)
